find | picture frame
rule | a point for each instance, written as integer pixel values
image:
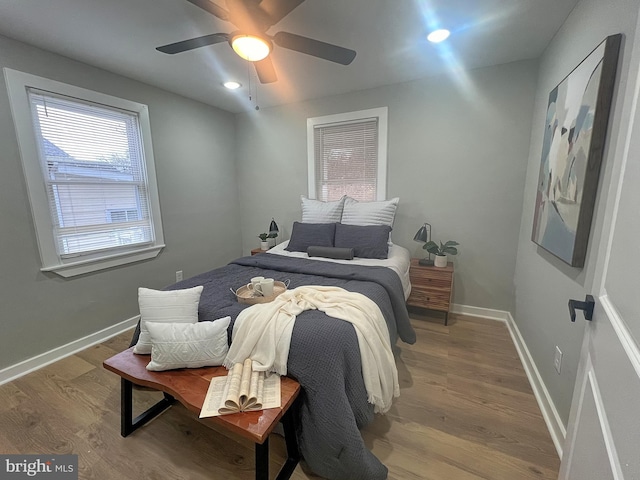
(573, 146)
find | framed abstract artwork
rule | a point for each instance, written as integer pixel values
(572, 150)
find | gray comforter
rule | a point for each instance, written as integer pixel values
(324, 355)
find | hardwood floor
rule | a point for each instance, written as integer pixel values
(466, 412)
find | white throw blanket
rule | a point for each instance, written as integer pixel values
(263, 331)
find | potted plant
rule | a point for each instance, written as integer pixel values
(441, 251)
(264, 244)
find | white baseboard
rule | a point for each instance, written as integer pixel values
(556, 428)
(489, 313)
(547, 407)
(44, 359)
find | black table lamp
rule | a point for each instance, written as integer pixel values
(273, 233)
(423, 236)
(273, 228)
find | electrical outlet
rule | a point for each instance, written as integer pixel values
(557, 359)
(179, 276)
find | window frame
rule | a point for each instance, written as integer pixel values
(379, 113)
(17, 85)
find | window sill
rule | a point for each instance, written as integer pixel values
(82, 267)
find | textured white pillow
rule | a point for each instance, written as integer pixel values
(188, 345)
(315, 211)
(176, 306)
(369, 213)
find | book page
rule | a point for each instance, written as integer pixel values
(245, 384)
(217, 392)
(232, 400)
(254, 400)
(271, 393)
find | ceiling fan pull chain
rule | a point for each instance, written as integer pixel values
(256, 84)
(249, 79)
(251, 86)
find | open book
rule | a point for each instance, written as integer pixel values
(242, 390)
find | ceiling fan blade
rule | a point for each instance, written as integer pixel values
(247, 16)
(316, 48)
(278, 9)
(265, 70)
(197, 42)
(212, 8)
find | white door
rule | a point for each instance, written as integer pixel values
(603, 437)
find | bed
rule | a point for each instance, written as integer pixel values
(324, 354)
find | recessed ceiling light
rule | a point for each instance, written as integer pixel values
(232, 85)
(438, 36)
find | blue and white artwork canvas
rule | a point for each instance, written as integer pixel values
(575, 130)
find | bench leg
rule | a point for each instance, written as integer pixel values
(128, 424)
(262, 460)
(293, 455)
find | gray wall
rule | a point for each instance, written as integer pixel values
(194, 153)
(543, 283)
(457, 157)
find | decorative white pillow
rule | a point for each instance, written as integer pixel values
(315, 211)
(175, 306)
(369, 213)
(188, 345)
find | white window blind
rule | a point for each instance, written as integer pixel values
(347, 155)
(346, 160)
(93, 167)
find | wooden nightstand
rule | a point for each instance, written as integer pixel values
(431, 287)
(256, 251)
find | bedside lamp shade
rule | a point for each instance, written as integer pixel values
(273, 227)
(273, 233)
(423, 236)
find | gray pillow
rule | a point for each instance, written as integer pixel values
(367, 241)
(331, 252)
(304, 235)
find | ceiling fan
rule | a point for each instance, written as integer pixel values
(253, 18)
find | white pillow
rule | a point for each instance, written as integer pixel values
(188, 345)
(369, 213)
(315, 211)
(176, 306)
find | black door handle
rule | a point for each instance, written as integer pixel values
(586, 306)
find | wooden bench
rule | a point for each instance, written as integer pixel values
(189, 387)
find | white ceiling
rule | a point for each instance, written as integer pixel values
(388, 36)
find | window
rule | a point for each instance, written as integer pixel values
(115, 216)
(88, 163)
(347, 155)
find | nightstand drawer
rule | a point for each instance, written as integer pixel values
(426, 280)
(422, 275)
(435, 300)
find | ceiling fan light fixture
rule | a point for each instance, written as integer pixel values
(232, 85)
(251, 47)
(438, 36)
